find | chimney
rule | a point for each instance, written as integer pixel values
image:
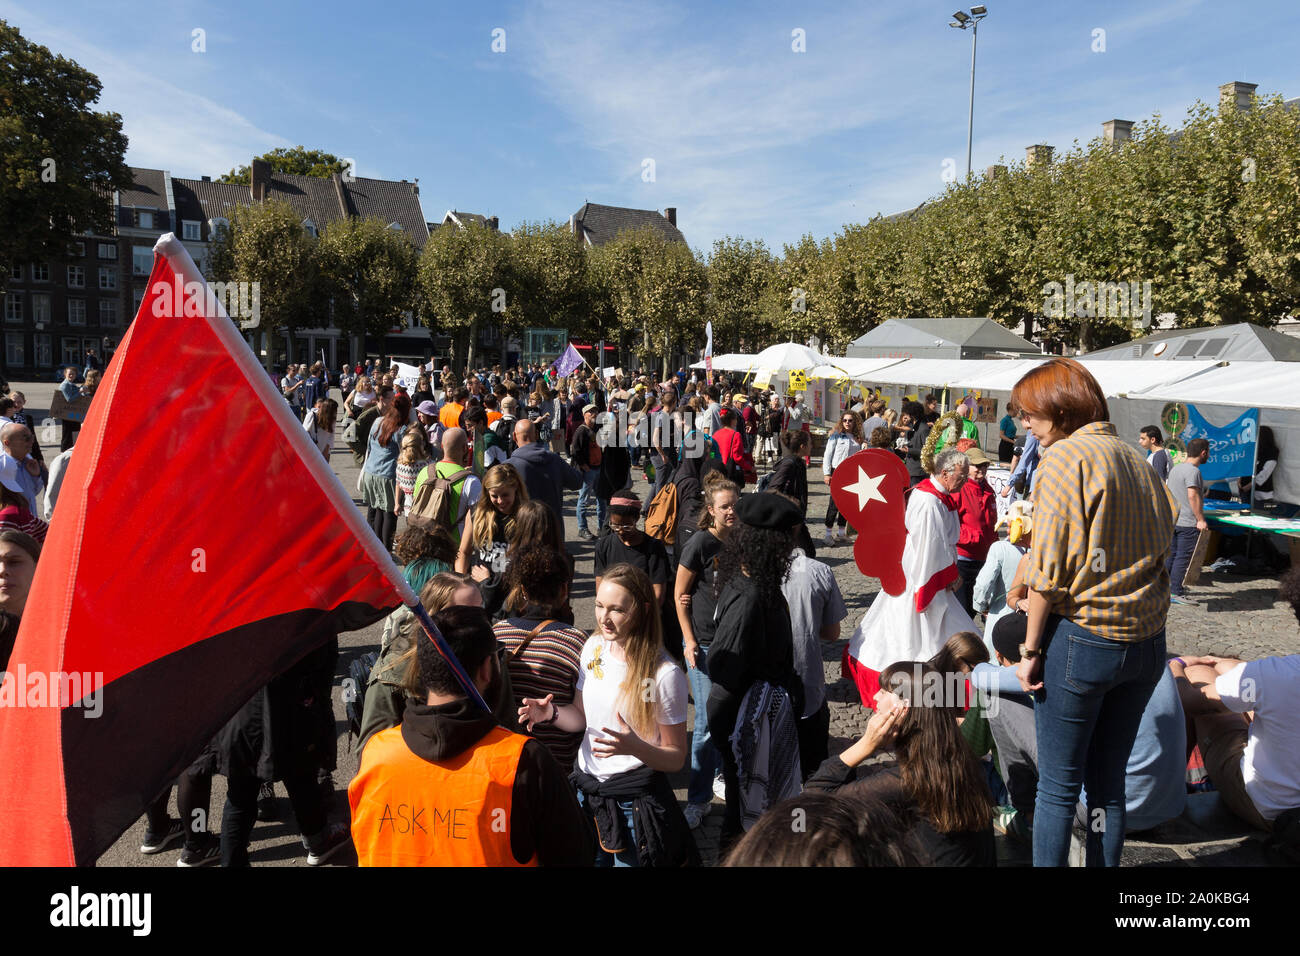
(1236, 94)
(260, 179)
(494, 223)
(993, 172)
(670, 213)
(207, 179)
(1116, 132)
(1038, 154)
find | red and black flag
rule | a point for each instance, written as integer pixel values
(201, 546)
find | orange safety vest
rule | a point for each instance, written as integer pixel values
(450, 415)
(407, 811)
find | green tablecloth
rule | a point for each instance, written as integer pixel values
(1269, 525)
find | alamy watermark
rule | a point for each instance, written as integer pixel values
(1093, 300)
(23, 688)
(177, 299)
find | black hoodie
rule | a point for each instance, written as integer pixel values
(544, 814)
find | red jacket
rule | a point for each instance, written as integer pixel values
(978, 510)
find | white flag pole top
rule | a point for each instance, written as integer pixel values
(214, 313)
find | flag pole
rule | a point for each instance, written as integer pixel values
(448, 655)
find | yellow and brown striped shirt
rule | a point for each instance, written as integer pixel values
(1103, 527)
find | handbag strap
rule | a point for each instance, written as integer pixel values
(529, 639)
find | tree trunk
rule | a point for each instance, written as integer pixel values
(469, 345)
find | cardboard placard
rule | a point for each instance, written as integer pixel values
(1198, 558)
(986, 409)
(65, 410)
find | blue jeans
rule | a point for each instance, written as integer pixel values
(1087, 717)
(705, 759)
(585, 494)
(1180, 557)
(629, 857)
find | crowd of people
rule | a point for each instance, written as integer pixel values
(1056, 719)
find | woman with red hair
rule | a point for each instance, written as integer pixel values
(1098, 598)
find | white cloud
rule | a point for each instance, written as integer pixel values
(168, 127)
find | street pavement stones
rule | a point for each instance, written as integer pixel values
(1237, 616)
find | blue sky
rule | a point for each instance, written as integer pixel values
(748, 137)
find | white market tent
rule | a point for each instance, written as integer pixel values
(855, 369)
(1248, 384)
(730, 362)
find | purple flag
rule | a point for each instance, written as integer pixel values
(567, 363)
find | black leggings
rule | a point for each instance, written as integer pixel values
(833, 515)
(383, 523)
(193, 794)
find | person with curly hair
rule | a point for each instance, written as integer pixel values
(845, 441)
(753, 650)
(423, 552)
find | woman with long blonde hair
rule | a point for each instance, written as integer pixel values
(489, 528)
(631, 709)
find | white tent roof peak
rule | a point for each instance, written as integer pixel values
(974, 332)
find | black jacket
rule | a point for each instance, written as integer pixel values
(790, 477)
(544, 814)
(920, 434)
(753, 642)
(663, 836)
(287, 728)
(545, 474)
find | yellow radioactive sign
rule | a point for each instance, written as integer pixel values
(798, 380)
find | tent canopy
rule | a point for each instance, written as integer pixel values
(1248, 384)
(1243, 342)
(958, 337)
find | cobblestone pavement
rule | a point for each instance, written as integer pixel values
(1238, 617)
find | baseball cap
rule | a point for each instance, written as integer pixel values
(9, 473)
(588, 408)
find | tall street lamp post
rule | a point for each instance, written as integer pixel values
(961, 21)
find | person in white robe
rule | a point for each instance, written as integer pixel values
(915, 624)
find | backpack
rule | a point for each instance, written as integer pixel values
(431, 505)
(661, 519)
(354, 693)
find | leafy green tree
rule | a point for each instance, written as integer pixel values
(464, 275)
(369, 272)
(658, 289)
(267, 244)
(1266, 212)
(550, 287)
(59, 160)
(742, 301)
(298, 160)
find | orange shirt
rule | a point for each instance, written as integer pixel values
(450, 415)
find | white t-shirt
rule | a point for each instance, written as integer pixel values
(599, 679)
(1270, 765)
(323, 438)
